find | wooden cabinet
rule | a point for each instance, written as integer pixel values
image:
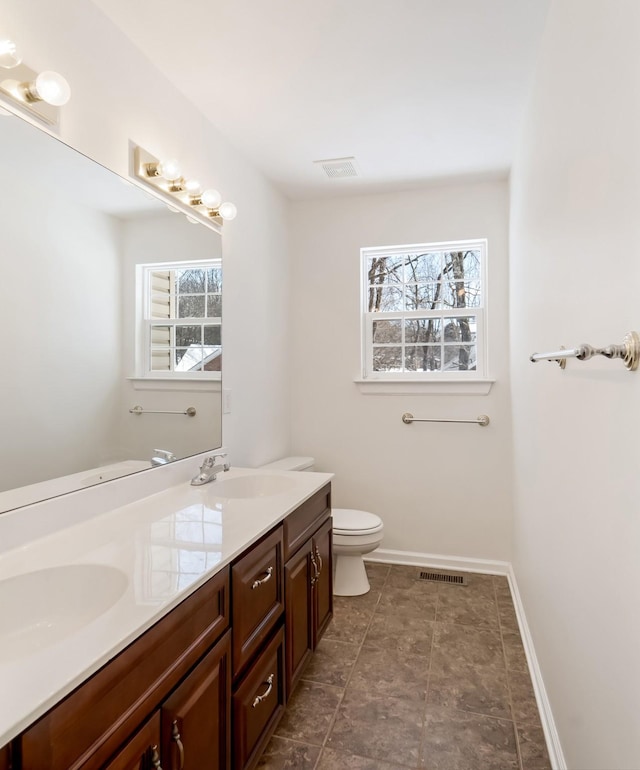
(86, 728)
(5, 758)
(220, 664)
(142, 751)
(258, 703)
(308, 583)
(195, 718)
(257, 597)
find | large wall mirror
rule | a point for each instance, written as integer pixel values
(85, 254)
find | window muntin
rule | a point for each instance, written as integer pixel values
(182, 319)
(423, 313)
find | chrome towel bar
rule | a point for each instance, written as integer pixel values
(629, 352)
(190, 411)
(407, 418)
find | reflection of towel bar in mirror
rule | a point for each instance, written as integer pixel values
(629, 352)
(407, 418)
(190, 411)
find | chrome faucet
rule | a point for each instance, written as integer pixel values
(210, 468)
(162, 457)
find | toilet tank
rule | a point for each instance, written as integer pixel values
(291, 464)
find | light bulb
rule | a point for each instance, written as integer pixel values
(193, 188)
(227, 211)
(170, 169)
(9, 54)
(52, 88)
(211, 199)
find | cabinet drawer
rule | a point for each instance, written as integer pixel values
(258, 703)
(301, 523)
(257, 600)
(87, 727)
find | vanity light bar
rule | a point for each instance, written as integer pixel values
(165, 178)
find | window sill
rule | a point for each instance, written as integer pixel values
(175, 384)
(450, 387)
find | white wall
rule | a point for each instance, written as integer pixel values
(575, 271)
(443, 489)
(119, 96)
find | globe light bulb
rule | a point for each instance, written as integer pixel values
(193, 188)
(227, 211)
(52, 88)
(170, 169)
(211, 199)
(9, 54)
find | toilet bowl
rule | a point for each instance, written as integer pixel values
(355, 533)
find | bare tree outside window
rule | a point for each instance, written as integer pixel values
(422, 308)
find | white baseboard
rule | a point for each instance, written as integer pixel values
(554, 747)
(487, 566)
(415, 559)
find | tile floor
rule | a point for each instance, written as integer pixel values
(415, 674)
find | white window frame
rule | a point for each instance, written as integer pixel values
(145, 322)
(408, 382)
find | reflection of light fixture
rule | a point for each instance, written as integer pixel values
(185, 195)
(40, 94)
(9, 55)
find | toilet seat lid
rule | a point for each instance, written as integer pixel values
(351, 520)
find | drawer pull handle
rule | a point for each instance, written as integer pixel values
(316, 572)
(175, 736)
(259, 698)
(266, 578)
(319, 558)
(155, 758)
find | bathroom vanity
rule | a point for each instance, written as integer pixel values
(203, 677)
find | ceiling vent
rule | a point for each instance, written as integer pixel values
(339, 168)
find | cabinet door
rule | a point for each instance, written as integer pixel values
(323, 583)
(298, 576)
(142, 752)
(195, 718)
(5, 758)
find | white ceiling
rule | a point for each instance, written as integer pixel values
(416, 90)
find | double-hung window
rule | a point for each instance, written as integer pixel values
(424, 311)
(181, 325)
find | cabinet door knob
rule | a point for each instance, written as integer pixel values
(155, 758)
(175, 736)
(316, 572)
(260, 581)
(319, 559)
(259, 698)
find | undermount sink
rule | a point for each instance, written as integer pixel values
(258, 485)
(41, 608)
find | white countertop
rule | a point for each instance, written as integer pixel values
(163, 548)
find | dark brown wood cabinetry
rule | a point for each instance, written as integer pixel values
(206, 685)
(142, 751)
(308, 585)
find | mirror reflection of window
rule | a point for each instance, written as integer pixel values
(187, 300)
(175, 551)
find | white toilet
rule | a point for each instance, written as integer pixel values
(354, 534)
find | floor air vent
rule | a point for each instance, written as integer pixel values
(442, 577)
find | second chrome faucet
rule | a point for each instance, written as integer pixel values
(211, 466)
